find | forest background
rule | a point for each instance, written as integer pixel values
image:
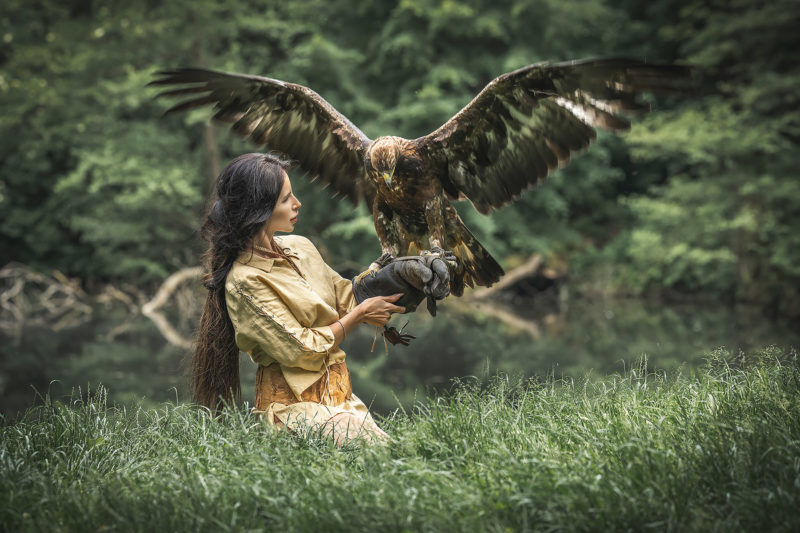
(699, 202)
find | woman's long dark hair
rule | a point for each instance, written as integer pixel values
(246, 193)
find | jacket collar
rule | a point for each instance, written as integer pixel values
(250, 258)
(281, 241)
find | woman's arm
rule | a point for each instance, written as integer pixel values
(265, 325)
(375, 311)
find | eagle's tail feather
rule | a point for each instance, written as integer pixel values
(476, 266)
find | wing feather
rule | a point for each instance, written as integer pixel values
(284, 117)
(526, 123)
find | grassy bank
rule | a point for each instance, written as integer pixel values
(719, 449)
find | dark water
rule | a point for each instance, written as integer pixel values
(533, 339)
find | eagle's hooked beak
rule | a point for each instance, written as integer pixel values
(387, 177)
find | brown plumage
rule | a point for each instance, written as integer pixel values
(519, 128)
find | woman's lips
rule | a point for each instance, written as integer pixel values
(293, 220)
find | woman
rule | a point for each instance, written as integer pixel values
(275, 298)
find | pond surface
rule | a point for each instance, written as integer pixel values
(523, 338)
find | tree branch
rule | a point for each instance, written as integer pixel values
(150, 309)
(477, 300)
(527, 269)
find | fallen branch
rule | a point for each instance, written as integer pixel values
(150, 309)
(477, 300)
(498, 311)
(111, 293)
(527, 269)
(29, 298)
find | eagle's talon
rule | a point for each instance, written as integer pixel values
(434, 250)
(376, 265)
(383, 260)
(368, 272)
(446, 255)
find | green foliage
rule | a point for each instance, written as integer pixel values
(92, 185)
(96, 185)
(713, 450)
(727, 222)
(668, 251)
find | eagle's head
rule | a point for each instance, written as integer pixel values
(382, 156)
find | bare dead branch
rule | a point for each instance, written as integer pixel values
(28, 297)
(150, 309)
(498, 311)
(527, 269)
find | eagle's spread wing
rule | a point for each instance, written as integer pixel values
(285, 117)
(525, 123)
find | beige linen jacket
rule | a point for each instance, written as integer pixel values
(280, 316)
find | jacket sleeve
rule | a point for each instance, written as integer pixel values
(345, 301)
(265, 325)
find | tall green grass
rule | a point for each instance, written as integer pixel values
(717, 449)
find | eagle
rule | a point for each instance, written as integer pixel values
(522, 126)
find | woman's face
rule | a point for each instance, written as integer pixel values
(284, 216)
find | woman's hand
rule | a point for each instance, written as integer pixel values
(375, 311)
(378, 309)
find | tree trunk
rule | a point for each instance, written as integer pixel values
(211, 159)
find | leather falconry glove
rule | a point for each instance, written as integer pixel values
(417, 277)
